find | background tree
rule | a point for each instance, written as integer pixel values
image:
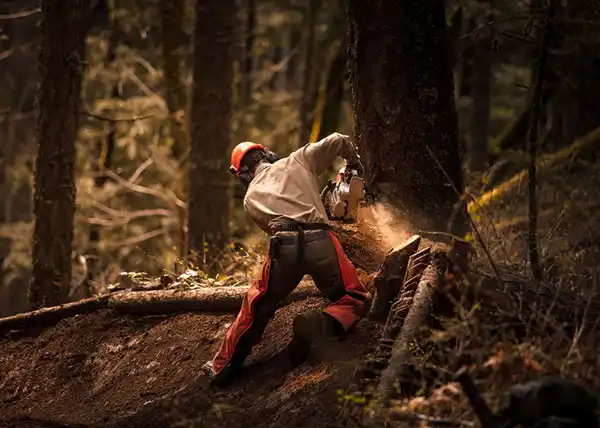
(405, 118)
(57, 124)
(209, 181)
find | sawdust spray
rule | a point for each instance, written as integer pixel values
(386, 223)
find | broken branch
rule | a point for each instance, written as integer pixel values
(115, 120)
(23, 14)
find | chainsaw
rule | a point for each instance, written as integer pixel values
(343, 197)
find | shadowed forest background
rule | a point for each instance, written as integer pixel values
(473, 118)
(286, 83)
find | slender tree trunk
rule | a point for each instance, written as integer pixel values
(63, 28)
(105, 155)
(249, 49)
(308, 73)
(403, 102)
(481, 94)
(532, 140)
(334, 91)
(174, 42)
(209, 179)
(295, 38)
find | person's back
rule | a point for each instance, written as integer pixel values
(289, 188)
(283, 198)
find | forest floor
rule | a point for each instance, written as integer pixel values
(107, 369)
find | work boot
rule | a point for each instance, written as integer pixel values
(225, 377)
(308, 328)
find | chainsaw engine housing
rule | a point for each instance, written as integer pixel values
(342, 199)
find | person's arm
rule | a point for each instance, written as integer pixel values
(316, 157)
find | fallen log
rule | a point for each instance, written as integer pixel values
(217, 299)
(51, 315)
(580, 148)
(418, 317)
(389, 277)
(155, 302)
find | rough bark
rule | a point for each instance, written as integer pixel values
(403, 102)
(156, 302)
(417, 318)
(60, 66)
(209, 179)
(174, 42)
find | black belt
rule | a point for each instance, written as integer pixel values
(293, 226)
(289, 226)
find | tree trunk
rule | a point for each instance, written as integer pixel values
(209, 179)
(308, 73)
(248, 55)
(104, 157)
(403, 102)
(334, 92)
(295, 37)
(174, 41)
(581, 68)
(481, 92)
(63, 30)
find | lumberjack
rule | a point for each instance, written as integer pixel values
(283, 199)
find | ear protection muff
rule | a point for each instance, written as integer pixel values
(243, 175)
(271, 157)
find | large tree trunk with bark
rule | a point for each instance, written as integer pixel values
(403, 101)
(64, 26)
(209, 179)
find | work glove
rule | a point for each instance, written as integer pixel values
(356, 164)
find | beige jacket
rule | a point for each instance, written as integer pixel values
(289, 188)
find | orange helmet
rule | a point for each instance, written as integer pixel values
(239, 152)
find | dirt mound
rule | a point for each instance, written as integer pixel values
(104, 369)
